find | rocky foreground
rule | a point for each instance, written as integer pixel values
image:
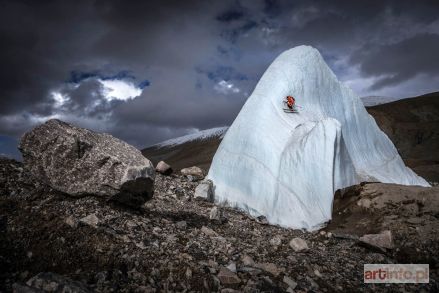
(53, 242)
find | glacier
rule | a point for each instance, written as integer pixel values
(287, 166)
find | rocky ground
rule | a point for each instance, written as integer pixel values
(51, 241)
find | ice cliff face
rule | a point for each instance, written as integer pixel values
(287, 166)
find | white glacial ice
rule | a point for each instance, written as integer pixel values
(287, 166)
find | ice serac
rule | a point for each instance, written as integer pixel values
(287, 166)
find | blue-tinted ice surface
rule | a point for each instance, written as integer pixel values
(287, 166)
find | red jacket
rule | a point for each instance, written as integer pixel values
(290, 101)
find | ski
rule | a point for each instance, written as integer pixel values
(290, 111)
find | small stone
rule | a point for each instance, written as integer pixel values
(204, 191)
(227, 277)
(131, 224)
(298, 244)
(364, 202)
(229, 290)
(70, 221)
(91, 220)
(163, 168)
(215, 214)
(415, 220)
(312, 282)
(181, 224)
(208, 231)
(271, 268)
(381, 240)
(191, 178)
(248, 261)
(156, 230)
(193, 171)
(262, 220)
(213, 264)
(179, 192)
(171, 238)
(290, 282)
(317, 273)
(232, 267)
(276, 241)
(52, 282)
(188, 274)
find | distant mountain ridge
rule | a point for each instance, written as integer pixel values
(370, 101)
(200, 135)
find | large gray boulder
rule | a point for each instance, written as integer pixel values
(79, 161)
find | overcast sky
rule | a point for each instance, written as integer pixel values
(147, 71)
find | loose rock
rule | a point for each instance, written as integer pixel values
(248, 261)
(163, 168)
(51, 282)
(215, 214)
(204, 191)
(91, 220)
(290, 282)
(227, 277)
(208, 231)
(181, 224)
(276, 241)
(71, 222)
(298, 244)
(381, 240)
(232, 267)
(79, 161)
(193, 171)
(271, 268)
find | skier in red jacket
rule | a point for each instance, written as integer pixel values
(290, 102)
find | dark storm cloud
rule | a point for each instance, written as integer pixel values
(400, 61)
(230, 15)
(196, 61)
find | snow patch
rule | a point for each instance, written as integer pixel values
(199, 135)
(370, 101)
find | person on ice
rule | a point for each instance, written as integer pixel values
(290, 102)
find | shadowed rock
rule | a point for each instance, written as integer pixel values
(163, 168)
(78, 161)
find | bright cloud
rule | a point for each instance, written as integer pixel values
(226, 88)
(59, 98)
(116, 89)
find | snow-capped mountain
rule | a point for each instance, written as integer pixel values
(193, 149)
(370, 101)
(287, 166)
(199, 135)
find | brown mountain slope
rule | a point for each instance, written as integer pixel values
(193, 153)
(412, 124)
